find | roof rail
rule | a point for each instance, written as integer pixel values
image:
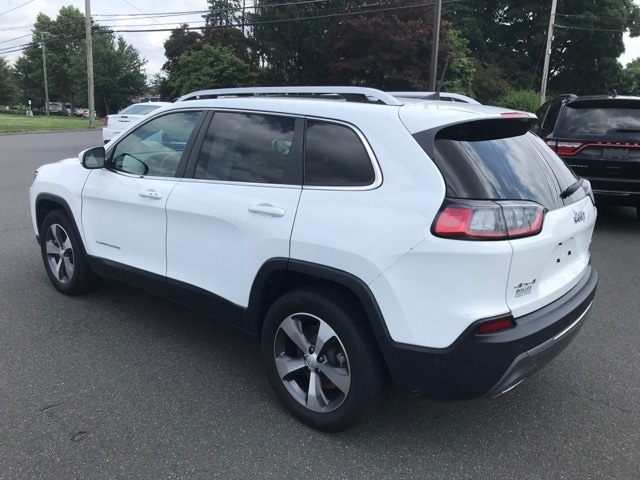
(350, 94)
(435, 96)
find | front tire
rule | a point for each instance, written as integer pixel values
(321, 359)
(63, 256)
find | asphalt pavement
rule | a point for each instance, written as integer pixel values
(119, 384)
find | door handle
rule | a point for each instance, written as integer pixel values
(267, 209)
(151, 194)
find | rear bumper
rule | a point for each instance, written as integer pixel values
(624, 192)
(488, 365)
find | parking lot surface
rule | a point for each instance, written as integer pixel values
(119, 384)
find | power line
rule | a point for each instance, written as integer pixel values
(290, 20)
(132, 5)
(19, 6)
(589, 29)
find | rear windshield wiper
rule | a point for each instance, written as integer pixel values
(571, 189)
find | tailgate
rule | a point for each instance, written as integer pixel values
(546, 266)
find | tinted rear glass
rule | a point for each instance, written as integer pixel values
(483, 167)
(604, 118)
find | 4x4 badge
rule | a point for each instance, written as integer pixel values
(579, 216)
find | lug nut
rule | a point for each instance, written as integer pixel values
(321, 359)
(312, 349)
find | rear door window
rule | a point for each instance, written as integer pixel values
(253, 148)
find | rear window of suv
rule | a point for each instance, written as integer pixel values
(606, 117)
(497, 160)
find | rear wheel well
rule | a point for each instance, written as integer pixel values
(281, 281)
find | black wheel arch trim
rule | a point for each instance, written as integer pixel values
(67, 210)
(359, 288)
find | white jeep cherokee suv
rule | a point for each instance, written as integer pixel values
(363, 239)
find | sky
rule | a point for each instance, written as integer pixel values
(17, 18)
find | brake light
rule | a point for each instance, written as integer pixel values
(515, 115)
(567, 148)
(495, 325)
(106, 122)
(488, 220)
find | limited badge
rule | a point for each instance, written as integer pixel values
(524, 288)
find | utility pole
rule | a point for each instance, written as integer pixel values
(46, 83)
(547, 53)
(89, 42)
(437, 13)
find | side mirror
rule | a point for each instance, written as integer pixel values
(93, 158)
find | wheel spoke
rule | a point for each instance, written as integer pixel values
(68, 266)
(315, 398)
(292, 328)
(339, 376)
(58, 235)
(51, 248)
(59, 269)
(325, 333)
(287, 365)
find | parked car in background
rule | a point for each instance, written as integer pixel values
(361, 238)
(598, 137)
(114, 124)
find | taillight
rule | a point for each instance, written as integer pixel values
(495, 325)
(488, 220)
(586, 187)
(567, 148)
(106, 122)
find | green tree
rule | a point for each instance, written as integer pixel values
(387, 50)
(62, 40)
(8, 84)
(291, 49)
(461, 67)
(118, 74)
(210, 67)
(511, 35)
(525, 100)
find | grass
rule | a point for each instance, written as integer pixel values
(17, 123)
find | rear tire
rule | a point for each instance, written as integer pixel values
(63, 255)
(321, 358)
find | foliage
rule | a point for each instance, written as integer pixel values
(8, 84)
(461, 68)
(118, 73)
(629, 83)
(525, 100)
(511, 34)
(210, 67)
(356, 54)
(222, 13)
(290, 47)
(490, 82)
(117, 66)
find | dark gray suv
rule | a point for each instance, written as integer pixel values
(599, 138)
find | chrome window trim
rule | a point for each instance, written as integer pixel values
(377, 180)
